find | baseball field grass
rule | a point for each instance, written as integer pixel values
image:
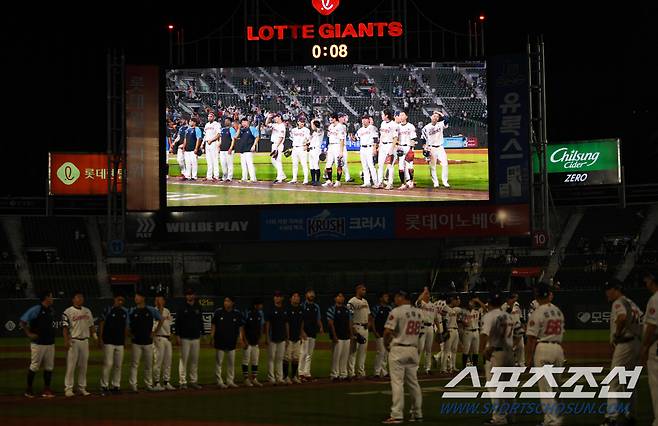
(468, 177)
(364, 402)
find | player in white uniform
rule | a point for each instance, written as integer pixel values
(78, 326)
(162, 347)
(337, 133)
(389, 132)
(344, 118)
(401, 336)
(625, 334)
(496, 344)
(211, 138)
(278, 137)
(451, 312)
(431, 319)
(470, 320)
(406, 145)
(649, 351)
(545, 333)
(512, 307)
(441, 305)
(433, 135)
(314, 150)
(367, 134)
(361, 323)
(301, 138)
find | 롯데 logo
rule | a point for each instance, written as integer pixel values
(325, 7)
(68, 173)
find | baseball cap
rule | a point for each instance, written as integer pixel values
(397, 113)
(613, 283)
(341, 114)
(189, 291)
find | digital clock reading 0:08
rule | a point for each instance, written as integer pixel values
(333, 51)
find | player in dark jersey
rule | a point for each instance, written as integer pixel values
(113, 329)
(380, 315)
(254, 321)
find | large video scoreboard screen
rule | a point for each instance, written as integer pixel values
(326, 134)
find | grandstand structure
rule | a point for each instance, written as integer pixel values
(66, 253)
(458, 89)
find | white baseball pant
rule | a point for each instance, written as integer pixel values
(385, 149)
(112, 362)
(346, 170)
(425, 345)
(624, 355)
(306, 357)
(498, 359)
(368, 167)
(314, 158)
(403, 366)
(189, 355)
(77, 357)
(358, 352)
(42, 356)
(333, 152)
(549, 354)
(275, 353)
(652, 367)
(226, 160)
(230, 366)
(191, 164)
(381, 358)
(180, 158)
(162, 358)
(439, 154)
(147, 352)
(450, 351)
(250, 355)
(471, 342)
(212, 160)
(519, 353)
(339, 357)
(278, 162)
(293, 351)
(299, 155)
(247, 166)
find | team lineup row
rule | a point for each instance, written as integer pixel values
(380, 149)
(404, 335)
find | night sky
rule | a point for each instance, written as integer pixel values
(602, 75)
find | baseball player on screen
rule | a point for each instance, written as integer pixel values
(337, 133)
(361, 322)
(471, 333)
(178, 147)
(314, 151)
(295, 316)
(367, 134)
(312, 327)
(349, 132)
(431, 318)
(189, 328)
(401, 336)
(380, 314)
(113, 328)
(545, 333)
(254, 321)
(192, 146)
(496, 345)
(275, 122)
(140, 320)
(625, 334)
(451, 312)
(301, 137)
(649, 351)
(38, 325)
(339, 321)
(433, 135)
(162, 346)
(225, 331)
(212, 132)
(389, 133)
(246, 140)
(276, 330)
(406, 146)
(78, 326)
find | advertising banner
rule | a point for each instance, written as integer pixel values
(80, 174)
